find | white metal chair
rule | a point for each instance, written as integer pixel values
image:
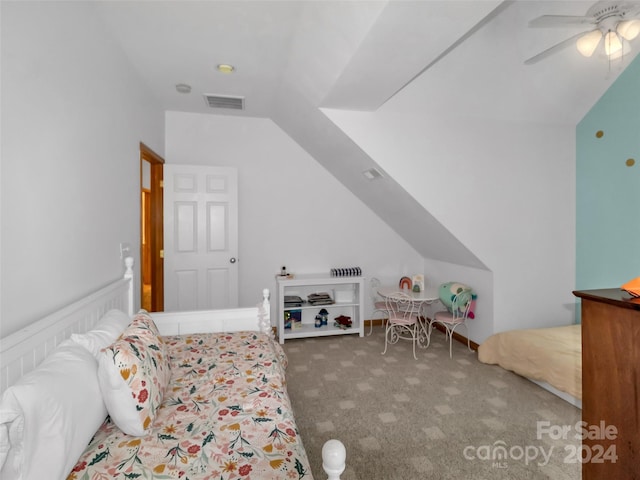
(450, 320)
(403, 322)
(379, 305)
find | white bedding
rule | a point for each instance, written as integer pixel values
(552, 355)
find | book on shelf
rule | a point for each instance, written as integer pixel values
(322, 298)
(292, 301)
(292, 319)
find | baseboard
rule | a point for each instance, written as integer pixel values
(456, 336)
(374, 322)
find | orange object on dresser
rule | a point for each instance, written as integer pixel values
(632, 287)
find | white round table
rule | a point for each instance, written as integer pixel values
(421, 300)
(428, 295)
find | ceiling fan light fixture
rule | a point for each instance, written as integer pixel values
(588, 43)
(612, 43)
(629, 29)
(625, 50)
(615, 21)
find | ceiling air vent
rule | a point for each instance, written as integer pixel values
(224, 101)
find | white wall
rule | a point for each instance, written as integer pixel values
(73, 114)
(506, 190)
(292, 212)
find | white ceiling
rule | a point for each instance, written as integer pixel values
(296, 56)
(351, 54)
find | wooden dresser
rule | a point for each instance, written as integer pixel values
(610, 383)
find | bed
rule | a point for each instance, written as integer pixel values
(550, 357)
(95, 391)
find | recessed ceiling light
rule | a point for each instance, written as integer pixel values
(225, 68)
(183, 88)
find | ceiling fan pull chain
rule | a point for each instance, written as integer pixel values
(607, 38)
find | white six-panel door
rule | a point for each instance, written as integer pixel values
(200, 237)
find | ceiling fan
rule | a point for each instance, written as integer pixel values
(617, 22)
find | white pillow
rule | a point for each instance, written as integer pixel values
(50, 415)
(105, 332)
(9, 417)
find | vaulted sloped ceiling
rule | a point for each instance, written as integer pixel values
(347, 161)
(297, 112)
(292, 58)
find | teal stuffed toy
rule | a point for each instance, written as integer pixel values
(449, 290)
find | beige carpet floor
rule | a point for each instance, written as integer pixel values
(434, 418)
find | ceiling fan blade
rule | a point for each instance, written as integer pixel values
(555, 48)
(546, 21)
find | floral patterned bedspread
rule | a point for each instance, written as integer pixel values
(225, 415)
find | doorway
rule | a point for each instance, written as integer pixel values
(151, 230)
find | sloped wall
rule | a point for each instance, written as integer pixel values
(292, 211)
(608, 186)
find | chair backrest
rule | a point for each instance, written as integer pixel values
(401, 306)
(461, 304)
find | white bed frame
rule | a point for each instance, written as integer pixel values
(24, 350)
(567, 397)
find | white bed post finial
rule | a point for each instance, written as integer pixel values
(264, 314)
(334, 457)
(128, 274)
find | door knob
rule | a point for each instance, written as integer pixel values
(232, 260)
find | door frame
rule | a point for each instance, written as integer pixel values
(156, 219)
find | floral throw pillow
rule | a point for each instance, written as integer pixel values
(144, 318)
(133, 373)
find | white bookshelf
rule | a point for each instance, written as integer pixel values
(349, 291)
